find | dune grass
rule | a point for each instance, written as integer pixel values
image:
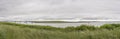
(22, 31)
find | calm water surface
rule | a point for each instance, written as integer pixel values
(73, 24)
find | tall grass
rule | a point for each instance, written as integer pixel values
(21, 31)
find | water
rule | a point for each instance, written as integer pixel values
(73, 24)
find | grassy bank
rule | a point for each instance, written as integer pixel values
(22, 31)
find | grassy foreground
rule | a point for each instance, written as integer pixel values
(21, 31)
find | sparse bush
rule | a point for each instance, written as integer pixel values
(107, 26)
(85, 27)
(116, 25)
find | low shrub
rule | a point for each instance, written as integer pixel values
(85, 27)
(107, 26)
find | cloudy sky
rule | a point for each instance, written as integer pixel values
(60, 8)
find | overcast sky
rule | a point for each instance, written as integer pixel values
(61, 8)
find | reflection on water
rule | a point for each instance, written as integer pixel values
(72, 24)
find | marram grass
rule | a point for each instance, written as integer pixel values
(19, 31)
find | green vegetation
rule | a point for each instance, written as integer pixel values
(22, 31)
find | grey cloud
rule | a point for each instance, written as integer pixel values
(61, 8)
